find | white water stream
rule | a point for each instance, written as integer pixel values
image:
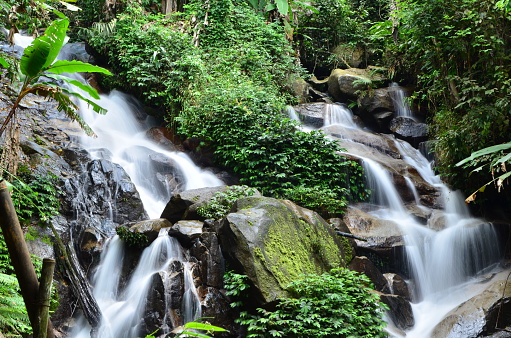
(401, 104)
(444, 264)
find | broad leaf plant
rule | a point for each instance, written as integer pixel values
(39, 61)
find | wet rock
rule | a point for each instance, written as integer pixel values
(154, 314)
(163, 137)
(378, 100)
(311, 114)
(211, 263)
(151, 228)
(189, 228)
(215, 305)
(342, 83)
(407, 129)
(400, 311)
(365, 266)
(380, 142)
(179, 203)
(477, 317)
(398, 286)
(384, 245)
(264, 239)
(382, 120)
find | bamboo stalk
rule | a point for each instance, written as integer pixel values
(20, 257)
(44, 296)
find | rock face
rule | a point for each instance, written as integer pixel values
(342, 85)
(180, 205)
(478, 316)
(409, 130)
(272, 245)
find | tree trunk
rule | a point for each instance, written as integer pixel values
(172, 6)
(20, 257)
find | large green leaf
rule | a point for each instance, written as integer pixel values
(44, 50)
(203, 326)
(485, 151)
(86, 88)
(282, 6)
(96, 107)
(75, 66)
(3, 62)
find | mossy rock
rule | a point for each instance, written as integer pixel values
(274, 242)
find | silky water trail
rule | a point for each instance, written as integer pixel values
(445, 265)
(121, 138)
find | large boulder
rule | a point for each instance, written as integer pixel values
(343, 84)
(273, 245)
(477, 317)
(178, 206)
(406, 128)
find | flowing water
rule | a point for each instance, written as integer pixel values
(338, 114)
(121, 138)
(443, 264)
(401, 105)
(124, 307)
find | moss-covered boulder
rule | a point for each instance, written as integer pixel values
(273, 242)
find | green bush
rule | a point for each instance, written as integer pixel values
(35, 198)
(132, 239)
(222, 202)
(229, 91)
(460, 63)
(336, 304)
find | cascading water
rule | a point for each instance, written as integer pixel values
(123, 137)
(442, 264)
(338, 114)
(124, 308)
(401, 105)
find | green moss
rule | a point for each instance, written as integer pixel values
(348, 250)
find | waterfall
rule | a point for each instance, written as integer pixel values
(121, 138)
(442, 263)
(338, 114)
(123, 310)
(401, 105)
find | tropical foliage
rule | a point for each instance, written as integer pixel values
(226, 83)
(336, 304)
(459, 54)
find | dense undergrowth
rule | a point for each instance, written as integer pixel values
(336, 304)
(223, 74)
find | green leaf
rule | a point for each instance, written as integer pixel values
(282, 6)
(44, 50)
(97, 108)
(195, 334)
(86, 88)
(485, 151)
(3, 62)
(203, 326)
(75, 66)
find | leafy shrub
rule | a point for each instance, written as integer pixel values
(36, 200)
(336, 304)
(229, 91)
(222, 202)
(461, 67)
(13, 315)
(132, 239)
